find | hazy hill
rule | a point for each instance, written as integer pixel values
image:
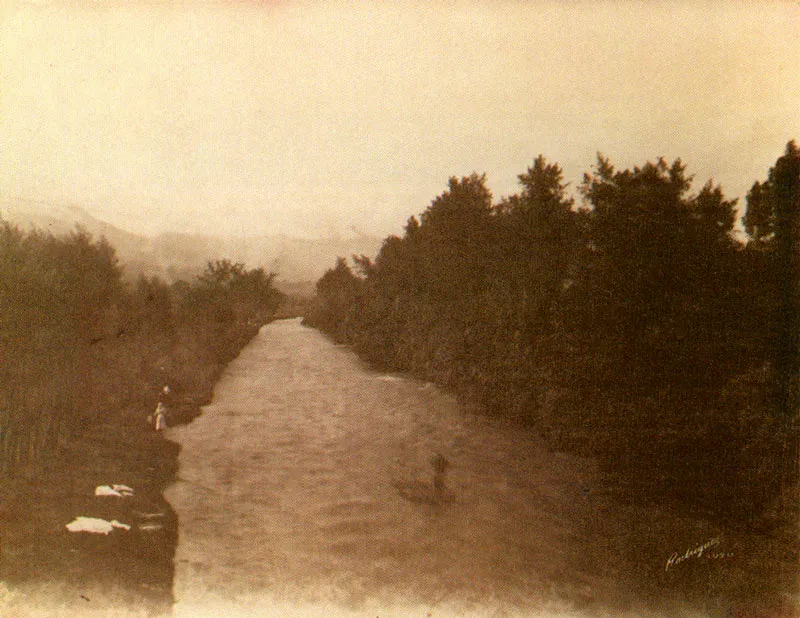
(293, 259)
(175, 256)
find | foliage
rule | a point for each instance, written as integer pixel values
(773, 222)
(637, 328)
(80, 348)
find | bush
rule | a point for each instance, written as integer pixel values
(80, 347)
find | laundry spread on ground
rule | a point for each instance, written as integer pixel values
(120, 491)
(95, 525)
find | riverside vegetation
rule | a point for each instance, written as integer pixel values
(640, 328)
(85, 356)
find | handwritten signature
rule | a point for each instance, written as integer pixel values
(700, 551)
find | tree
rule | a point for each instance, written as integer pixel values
(773, 224)
(537, 237)
(450, 248)
(659, 259)
(772, 221)
(227, 291)
(771, 215)
(336, 295)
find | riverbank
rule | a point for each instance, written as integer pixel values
(48, 571)
(86, 356)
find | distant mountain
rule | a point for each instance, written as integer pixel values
(61, 220)
(134, 251)
(174, 256)
(293, 259)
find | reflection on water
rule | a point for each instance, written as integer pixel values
(296, 496)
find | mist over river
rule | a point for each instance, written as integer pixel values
(306, 489)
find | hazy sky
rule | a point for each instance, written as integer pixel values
(306, 118)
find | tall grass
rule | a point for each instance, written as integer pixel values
(84, 356)
(80, 347)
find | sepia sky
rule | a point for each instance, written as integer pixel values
(308, 118)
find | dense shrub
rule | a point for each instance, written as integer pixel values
(80, 348)
(638, 329)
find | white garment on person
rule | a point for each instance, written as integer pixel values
(161, 416)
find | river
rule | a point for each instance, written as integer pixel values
(306, 489)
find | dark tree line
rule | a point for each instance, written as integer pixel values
(82, 349)
(638, 328)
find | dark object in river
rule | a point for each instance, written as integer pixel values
(424, 492)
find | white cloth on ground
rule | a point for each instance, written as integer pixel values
(120, 491)
(95, 525)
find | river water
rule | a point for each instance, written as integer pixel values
(305, 489)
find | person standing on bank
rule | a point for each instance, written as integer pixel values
(160, 416)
